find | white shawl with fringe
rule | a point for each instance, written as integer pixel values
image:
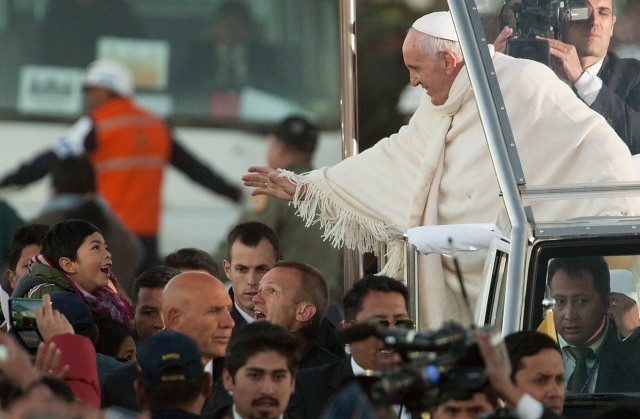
(437, 170)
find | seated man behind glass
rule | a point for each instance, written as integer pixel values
(597, 329)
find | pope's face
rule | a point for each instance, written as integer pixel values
(426, 70)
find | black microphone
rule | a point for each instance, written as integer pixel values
(357, 332)
(444, 339)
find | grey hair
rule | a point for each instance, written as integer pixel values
(432, 45)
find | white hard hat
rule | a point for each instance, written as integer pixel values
(111, 75)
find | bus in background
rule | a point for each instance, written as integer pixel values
(223, 72)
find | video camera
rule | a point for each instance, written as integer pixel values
(438, 365)
(546, 18)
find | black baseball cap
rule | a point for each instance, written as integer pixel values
(298, 133)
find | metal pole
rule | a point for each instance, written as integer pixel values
(349, 110)
(411, 256)
(497, 129)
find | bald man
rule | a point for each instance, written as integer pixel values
(198, 305)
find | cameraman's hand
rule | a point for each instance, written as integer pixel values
(51, 322)
(500, 44)
(568, 63)
(498, 368)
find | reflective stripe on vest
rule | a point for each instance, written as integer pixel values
(135, 162)
(126, 121)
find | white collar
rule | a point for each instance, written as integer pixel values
(236, 415)
(595, 68)
(244, 315)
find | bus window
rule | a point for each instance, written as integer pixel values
(199, 62)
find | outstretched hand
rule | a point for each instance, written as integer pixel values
(498, 366)
(267, 182)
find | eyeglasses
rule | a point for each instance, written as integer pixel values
(400, 323)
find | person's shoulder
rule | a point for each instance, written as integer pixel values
(122, 375)
(39, 290)
(310, 375)
(626, 61)
(513, 65)
(317, 355)
(629, 67)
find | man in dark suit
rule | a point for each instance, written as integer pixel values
(252, 250)
(196, 304)
(295, 296)
(608, 84)
(600, 355)
(374, 298)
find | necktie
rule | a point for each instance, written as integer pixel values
(579, 375)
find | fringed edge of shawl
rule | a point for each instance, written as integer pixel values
(343, 227)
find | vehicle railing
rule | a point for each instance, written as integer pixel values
(504, 155)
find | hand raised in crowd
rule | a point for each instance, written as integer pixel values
(498, 367)
(267, 182)
(51, 322)
(15, 362)
(500, 44)
(567, 63)
(47, 361)
(624, 312)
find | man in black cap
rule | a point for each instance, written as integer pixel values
(171, 380)
(291, 145)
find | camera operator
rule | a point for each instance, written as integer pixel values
(608, 84)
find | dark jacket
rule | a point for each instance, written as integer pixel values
(46, 278)
(166, 413)
(235, 313)
(316, 386)
(312, 353)
(619, 366)
(619, 99)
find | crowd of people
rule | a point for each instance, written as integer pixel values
(175, 349)
(261, 332)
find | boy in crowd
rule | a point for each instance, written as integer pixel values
(75, 259)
